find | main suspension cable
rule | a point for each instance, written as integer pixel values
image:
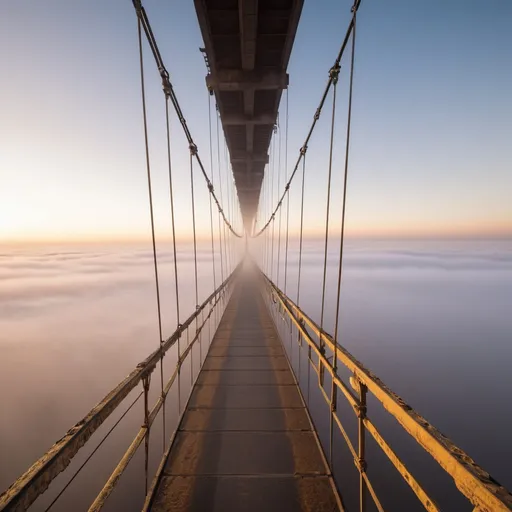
(169, 92)
(316, 117)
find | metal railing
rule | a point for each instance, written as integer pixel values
(324, 356)
(29, 486)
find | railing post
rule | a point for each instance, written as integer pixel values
(334, 402)
(179, 371)
(299, 341)
(321, 369)
(361, 462)
(145, 384)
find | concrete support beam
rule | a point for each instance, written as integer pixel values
(249, 112)
(248, 19)
(243, 156)
(235, 68)
(243, 80)
(249, 145)
(234, 119)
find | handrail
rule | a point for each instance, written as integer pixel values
(26, 489)
(477, 485)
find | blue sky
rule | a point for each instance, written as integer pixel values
(432, 117)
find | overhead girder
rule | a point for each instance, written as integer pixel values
(248, 45)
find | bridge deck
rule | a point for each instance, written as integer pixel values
(246, 441)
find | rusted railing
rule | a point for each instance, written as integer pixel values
(473, 482)
(26, 489)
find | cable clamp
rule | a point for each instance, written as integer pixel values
(287, 187)
(303, 150)
(317, 114)
(334, 73)
(210, 186)
(193, 149)
(361, 411)
(166, 83)
(360, 464)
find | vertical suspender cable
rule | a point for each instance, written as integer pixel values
(175, 252)
(303, 149)
(192, 149)
(280, 209)
(226, 257)
(209, 195)
(287, 197)
(342, 233)
(272, 202)
(261, 210)
(212, 180)
(228, 194)
(334, 72)
(153, 238)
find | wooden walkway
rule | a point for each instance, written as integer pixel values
(245, 442)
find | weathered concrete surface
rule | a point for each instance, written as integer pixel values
(245, 442)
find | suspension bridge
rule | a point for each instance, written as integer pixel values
(247, 436)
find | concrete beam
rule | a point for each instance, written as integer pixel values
(240, 80)
(244, 156)
(249, 143)
(234, 119)
(249, 112)
(248, 20)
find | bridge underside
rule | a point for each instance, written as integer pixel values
(248, 45)
(246, 441)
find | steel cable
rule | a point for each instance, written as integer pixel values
(169, 92)
(105, 437)
(328, 202)
(280, 211)
(211, 209)
(153, 237)
(287, 196)
(316, 117)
